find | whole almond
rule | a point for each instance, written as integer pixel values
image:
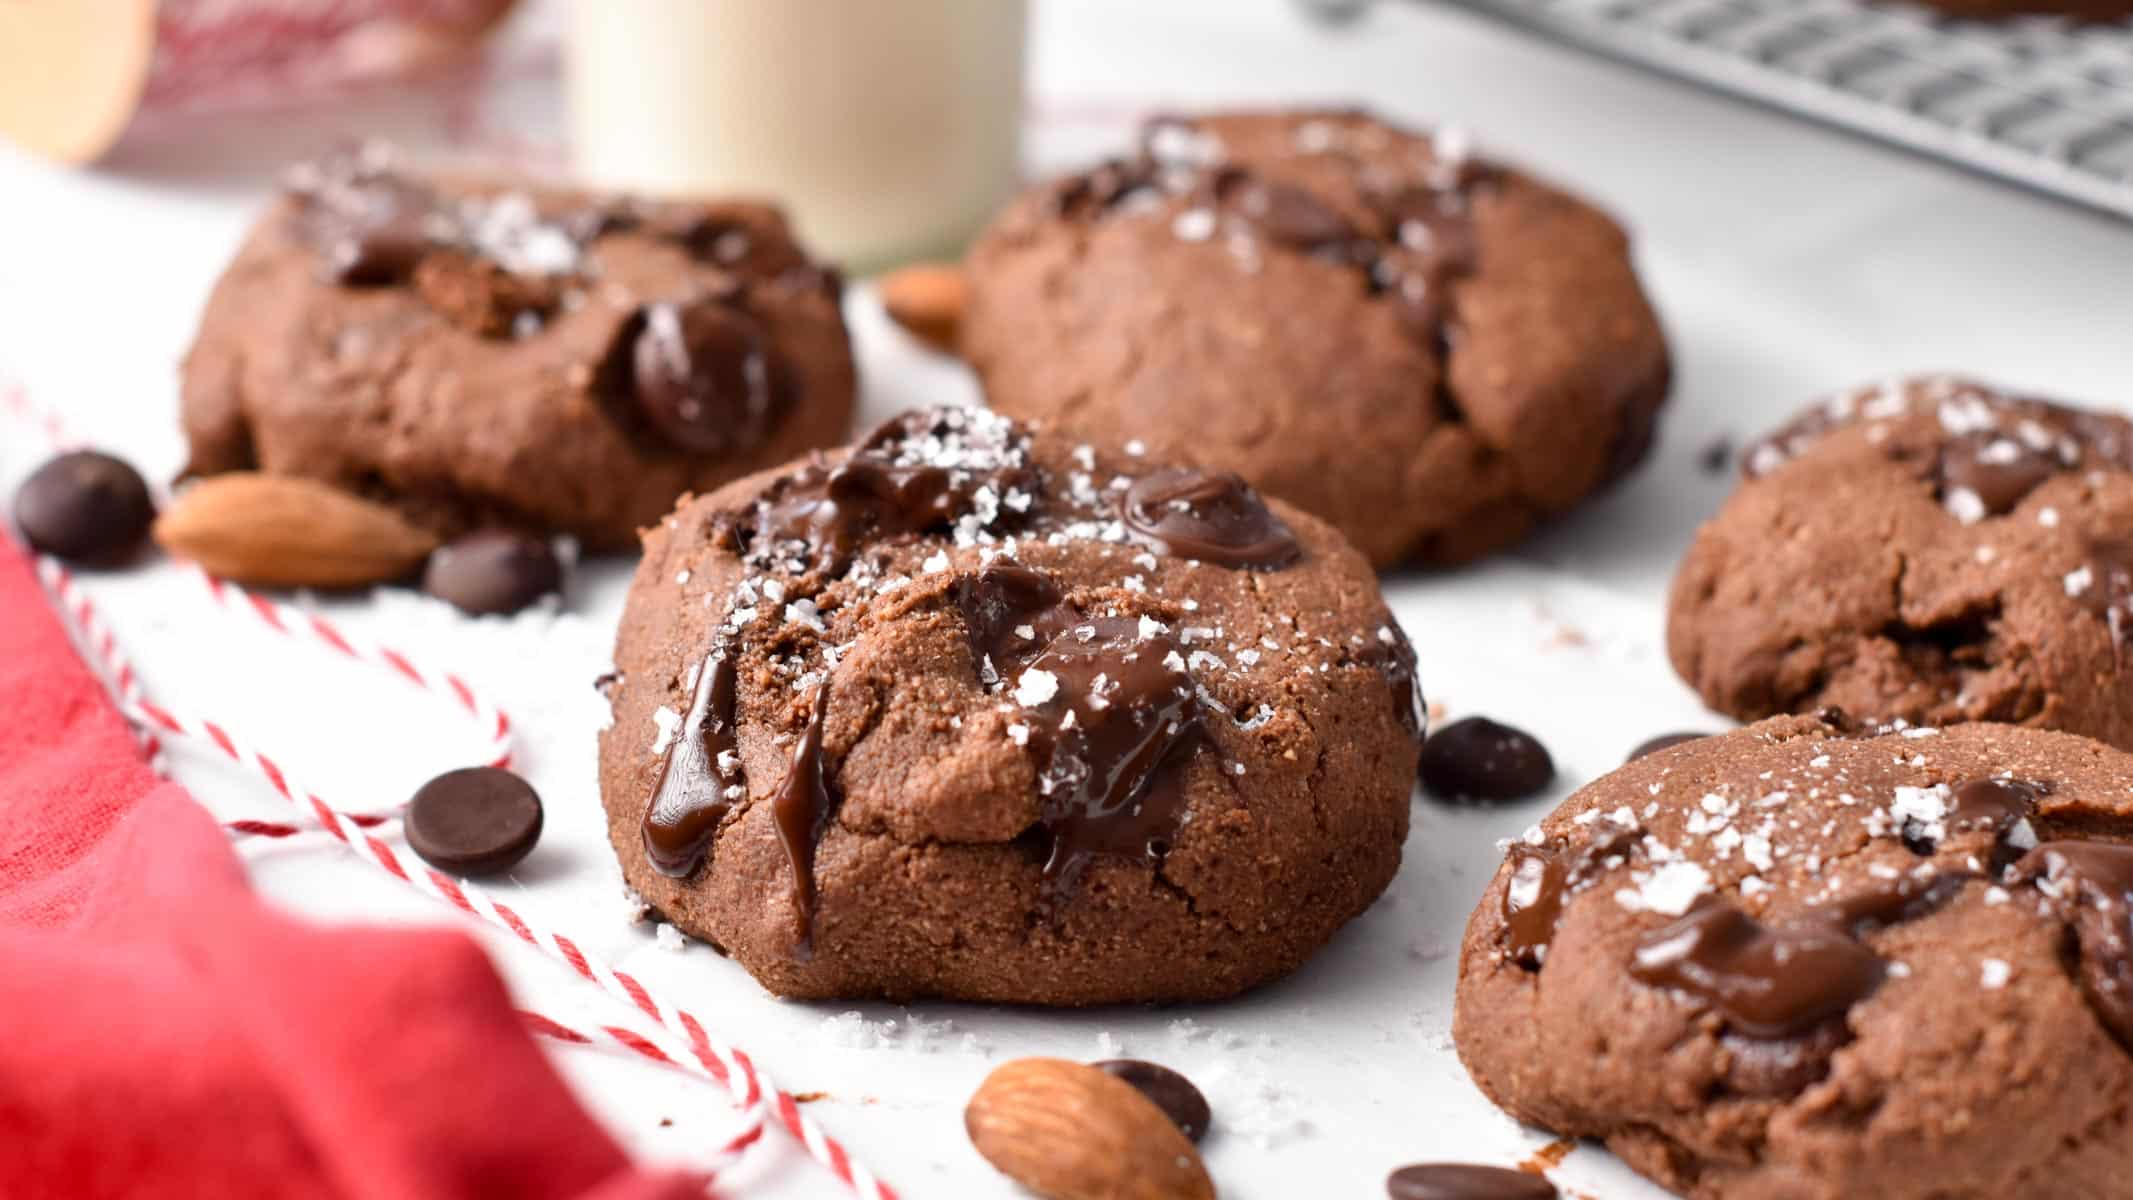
(927, 300)
(284, 531)
(1071, 1132)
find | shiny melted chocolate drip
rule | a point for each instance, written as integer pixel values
(1768, 982)
(2089, 887)
(1110, 740)
(1395, 656)
(706, 375)
(701, 779)
(802, 808)
(1542, 881)
(1212, 517)
(880, 490)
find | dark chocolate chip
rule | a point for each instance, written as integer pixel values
(707, 377)
(1172, 1092)
(474, 821)
(1767, 982)
(802, 809)
(1466, 1181)
(1215, 518)
(1996, 469)
(1716, 453)
(493, 571)
(1479, 760)
(2092, 893)
(85, 507)
(1665, 741)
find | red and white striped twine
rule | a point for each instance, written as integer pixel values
(725, 1064)
(696, 1049)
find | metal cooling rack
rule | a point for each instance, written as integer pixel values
(2040, 102)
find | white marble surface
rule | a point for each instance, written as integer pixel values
(1785, 259)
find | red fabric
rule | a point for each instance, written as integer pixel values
(163, 1033)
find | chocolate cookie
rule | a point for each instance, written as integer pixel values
(1810, 961)
(1933, 551)
(1430, 351)
(479, 354)
(972, 712)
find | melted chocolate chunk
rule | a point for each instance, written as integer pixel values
(1466, 1181)
(706, 376)
(2089, 886)
(1110, 710)
(918, 473)
(1893, 901)
(1171, 1092)
(1542, 881)
(1533, 904)
(1479, 760)
(371, 227)
(1998, 471)
(701, 779)
(2000, 807)
(1665, 741)
(1215, 518)
(803, 808)
(1771, 983)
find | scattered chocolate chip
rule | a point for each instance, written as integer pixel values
(1715, 455)
(1767, 982)
(1466, 1181)
(1480, 760)
(493, 571)
(85, 507)
(707, 377)
(1215, 518)
(1172, 1092)
(2092, 893)
(474, 821)
(1665, 741)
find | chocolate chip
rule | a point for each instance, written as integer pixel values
(375, 256)
(1665, 741)
(707, 378)
(1479, 760)
(474, 821)
(1997, 470)
(1716, 453)
(1172, 1092)
(701, 776)
(1215, 518)
(1466, 1181)
(85, 507)
(493, 571)
(1292, 216)
(1767, 982)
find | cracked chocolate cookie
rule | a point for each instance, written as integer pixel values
(1812, 960)
(1931, 550)
(1430, 351)
(479, 354)
(972, 712)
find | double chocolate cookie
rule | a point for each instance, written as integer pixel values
(1430, 351)
(1931, 551)
(479, 354)
(1811, 961)
(974, 712)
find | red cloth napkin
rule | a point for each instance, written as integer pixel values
(163, 1033)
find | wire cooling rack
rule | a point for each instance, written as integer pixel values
(2041, 102)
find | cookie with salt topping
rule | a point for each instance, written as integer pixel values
(976, 712)
(1814, 959)
(1433, 352)
(1930, 550)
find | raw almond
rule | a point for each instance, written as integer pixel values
(928, 301)
(1071, 1132)
(283, 531)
